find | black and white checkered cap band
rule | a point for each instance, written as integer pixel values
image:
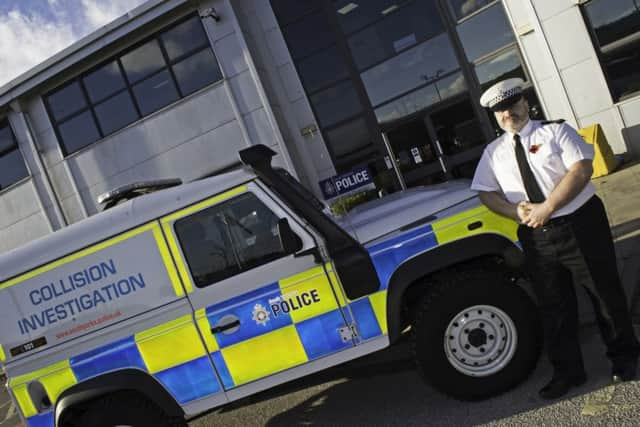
(504, 95)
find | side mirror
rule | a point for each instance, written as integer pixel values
(289, 240)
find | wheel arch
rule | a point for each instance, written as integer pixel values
(126, 379)
(439, 258)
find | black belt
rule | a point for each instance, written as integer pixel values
(569, 218)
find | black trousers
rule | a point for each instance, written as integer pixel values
(578, 248)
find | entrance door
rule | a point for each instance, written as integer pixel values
(260, 311)
(439, 143)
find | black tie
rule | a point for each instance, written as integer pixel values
(534, 192)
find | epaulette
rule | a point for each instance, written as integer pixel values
(548, 122)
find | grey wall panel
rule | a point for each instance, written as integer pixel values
(27, 229)
(588, 93)
(259, 129)
(292, 85)
(548, 8)
(18, 202)
(223, 27)
(72, 208)
(151, 137)
(47, 143)
(569, 40)
(245, 92)
(230, 55)
(212, 151)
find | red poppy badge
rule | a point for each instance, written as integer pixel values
(534, 148)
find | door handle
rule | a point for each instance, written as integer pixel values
(226, 326)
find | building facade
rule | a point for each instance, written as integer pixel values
(176, 87)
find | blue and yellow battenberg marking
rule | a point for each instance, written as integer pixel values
(283, 324)
(172, 352)
(55, 379)
(3, 357)
(389, 254)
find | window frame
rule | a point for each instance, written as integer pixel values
(600, 54)
(240, 269)
(4, 123)
(128, 86)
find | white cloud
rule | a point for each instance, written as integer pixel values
(100, 12)
(29, 39)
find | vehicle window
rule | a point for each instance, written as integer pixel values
(229, 238)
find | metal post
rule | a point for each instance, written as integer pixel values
(394, 163)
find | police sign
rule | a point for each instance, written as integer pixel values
(345, 183)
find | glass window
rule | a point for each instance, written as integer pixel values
(400, 30)
(503, 66)
(486, 32)
(336, 104)
(462, 8)
(78, 132)
(155, 92)
(288, 11)
(308, 35)
(350, 144)
(322, 69)
(349, 137)
(616, 29)
(612, 20)
(66, 101)
(229, 238)
(354, 15)
(420, 99)
(143, 61)
(197, 71)
(184, 38)
(103, 82)
(116, 112)
(413, 68)
(105, 95)
(12, 168)
(7, 141)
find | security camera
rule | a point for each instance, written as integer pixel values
(210, 13)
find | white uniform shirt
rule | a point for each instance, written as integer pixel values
(557, 147)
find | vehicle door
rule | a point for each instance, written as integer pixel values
(260, 310)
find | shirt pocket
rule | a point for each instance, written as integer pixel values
(543, 154)
(547, 158)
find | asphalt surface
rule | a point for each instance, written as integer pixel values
(385, 389)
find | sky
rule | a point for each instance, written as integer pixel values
(33, 30)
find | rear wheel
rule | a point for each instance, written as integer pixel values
(127, 409)
(476, 335)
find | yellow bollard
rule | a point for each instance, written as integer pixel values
(604, 162)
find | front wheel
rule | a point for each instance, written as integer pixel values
(476, 335)
(127, 409)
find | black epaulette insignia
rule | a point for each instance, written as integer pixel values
(548, 122)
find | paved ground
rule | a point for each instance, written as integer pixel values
(384, 388)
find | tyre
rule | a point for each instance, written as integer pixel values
(476, 334)
(128, 409)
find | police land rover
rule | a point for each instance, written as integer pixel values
(182, 300)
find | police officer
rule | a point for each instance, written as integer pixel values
(538, 173)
